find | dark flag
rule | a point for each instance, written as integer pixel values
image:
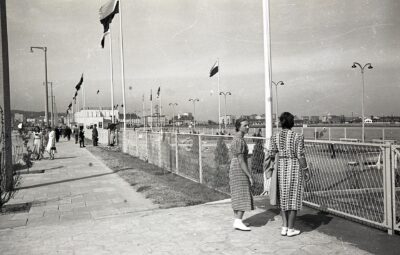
(214, 69)
(69, 106)
(103, 38)
(158, 91)
(76, 94)
(107, 13)
(151, 95)
(98, 91)
(78, 86)
(122, 105)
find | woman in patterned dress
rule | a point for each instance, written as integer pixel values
(290, 148)
(240, 179)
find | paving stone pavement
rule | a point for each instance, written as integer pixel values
(82, 207)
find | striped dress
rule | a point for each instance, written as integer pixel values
(290, 147)
(241, 197)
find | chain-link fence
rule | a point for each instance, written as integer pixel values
(349, 179)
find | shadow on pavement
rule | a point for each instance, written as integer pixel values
(73, 179)
(261, 219)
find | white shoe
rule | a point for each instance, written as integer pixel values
(238, 224)
(284, 231)
(293, 232)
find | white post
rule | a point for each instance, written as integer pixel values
(345, 133)
(383, 134)
(122, 64)
(329, 132)
(200, 163)
(112, 78)
(219, 99)
(315, 133)
(268, 70)
(151, 110)
(176, 153)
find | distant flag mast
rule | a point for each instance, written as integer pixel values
(213, 71)
(107, 13)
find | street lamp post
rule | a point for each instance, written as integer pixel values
(173, 114)
(52, 103)
(46, 113)
(276, 100)
(194, 111)
(227, 93)
(369, 66)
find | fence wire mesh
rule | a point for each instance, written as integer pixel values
(346, 178)
(188, 156)
(215, 159)
(168, 152)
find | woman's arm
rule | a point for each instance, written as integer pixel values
(243, 166)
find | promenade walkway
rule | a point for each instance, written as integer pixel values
(79, 206)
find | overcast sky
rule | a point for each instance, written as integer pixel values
(174, 43)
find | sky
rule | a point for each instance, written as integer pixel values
(174, 43)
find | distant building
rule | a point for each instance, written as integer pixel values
(88, 117)
(230, 119)
(314, 119)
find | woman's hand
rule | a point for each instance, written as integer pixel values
(251, 180)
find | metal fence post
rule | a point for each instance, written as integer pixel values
(200, 163)
(387, 188)
(176, 153)
(383, 134)
(329, 133)
(315, 133)
(137, 144)
(159, 149)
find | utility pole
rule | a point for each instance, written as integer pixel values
(5, 109)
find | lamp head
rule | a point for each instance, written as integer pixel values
(282, 83)
(31, 50)
(370, 66)
(353, 66)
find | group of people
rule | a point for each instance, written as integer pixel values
(44, 141)
(287, 148)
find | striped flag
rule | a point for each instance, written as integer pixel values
(107, 13)
(214, 69)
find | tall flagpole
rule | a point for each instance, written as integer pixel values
(84, 96)
(151, 110)
(122, 62)
(144, 118)
(219, 100)
(112, 78)
(160, 110)
(268, 70)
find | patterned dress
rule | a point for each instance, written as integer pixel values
(241, 197)
(290, 147)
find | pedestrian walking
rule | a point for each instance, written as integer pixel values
(37, 143)
(95, 135)
(51, 144)
(291, 163)
(58, 133)
(76, 134)
(68, 132)
(240, 179)
(81, 137)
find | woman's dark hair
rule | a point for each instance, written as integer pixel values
(238, 123)
(287, 120)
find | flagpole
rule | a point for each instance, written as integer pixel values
(144, 119)
(160, 110)
(268, 70)
(122, 62)
(151, 110)
(219, 99)
(84, 97)
(112, 78)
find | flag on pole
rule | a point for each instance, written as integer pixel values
(151, 95)
(103, 38)
(107, 13)
(76, 94)
(214, 69)
(158, 91)
(78, 86)
(69, 106)
(98, 91)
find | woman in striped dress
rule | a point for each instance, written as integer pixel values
(290, 148)
(240, 178)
